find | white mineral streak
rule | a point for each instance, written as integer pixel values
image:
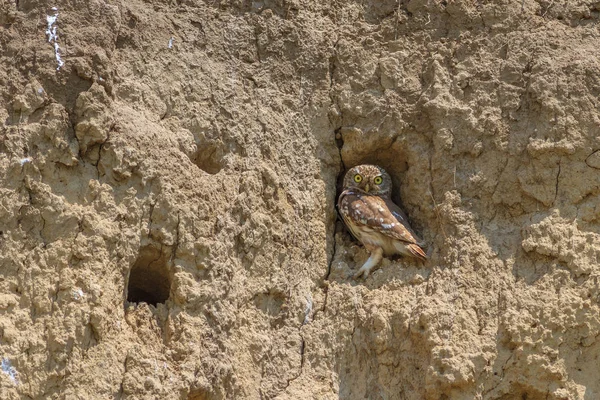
(77, 294)
(308, 309)
(52, 34)
(9, 370)
(25, 160)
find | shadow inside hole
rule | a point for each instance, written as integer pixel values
(199, 394)
(210, 157)
(150, 278)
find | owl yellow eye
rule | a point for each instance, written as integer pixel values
(357, 178)
(378, 180)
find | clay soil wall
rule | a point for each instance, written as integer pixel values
(168, 178)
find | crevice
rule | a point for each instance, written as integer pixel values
(556, 185)
(302, 348)
(150, 217)
(176, 244)
(339, 144)
(326, 282)
(501, 376)
(29, 194)
(330, 262)
(352, 340)
(44, 243)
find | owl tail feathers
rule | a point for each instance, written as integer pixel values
(417, 251)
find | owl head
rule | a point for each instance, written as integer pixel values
(369, 178)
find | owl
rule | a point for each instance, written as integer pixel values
(373, 218)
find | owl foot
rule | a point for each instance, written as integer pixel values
(372, 261)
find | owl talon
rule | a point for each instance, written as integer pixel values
(372, 261)
(359, 273)
(362, 272)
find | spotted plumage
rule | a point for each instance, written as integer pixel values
(373, 218)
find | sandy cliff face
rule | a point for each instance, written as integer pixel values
(187, 154)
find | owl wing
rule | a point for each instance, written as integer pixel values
(376, 213)
(400, 217)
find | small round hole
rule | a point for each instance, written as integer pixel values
(149, 278)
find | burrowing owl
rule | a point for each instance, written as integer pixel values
(373, 218)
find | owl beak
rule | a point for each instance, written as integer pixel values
(367, 188)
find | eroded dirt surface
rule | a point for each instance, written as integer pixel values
(188, 154)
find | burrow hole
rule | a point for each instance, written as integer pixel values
(150, 277)
(210, 157)
(199, 394)
(210, 151)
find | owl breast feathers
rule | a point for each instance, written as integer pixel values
(373, 218)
